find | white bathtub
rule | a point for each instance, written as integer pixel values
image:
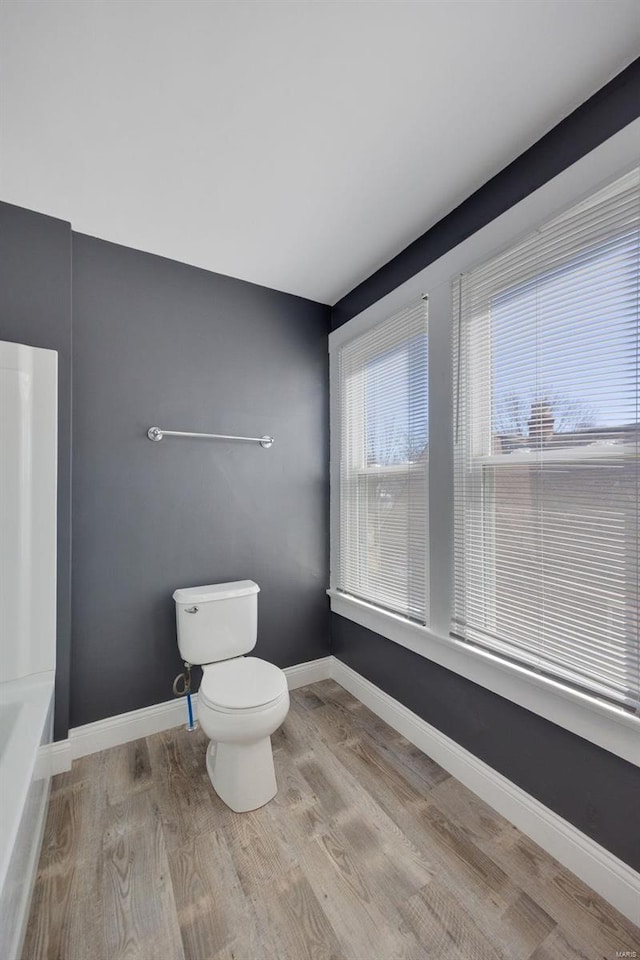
(28, 498)
(26, 723)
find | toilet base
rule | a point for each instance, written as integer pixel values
(242, 774)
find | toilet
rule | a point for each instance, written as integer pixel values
(242, 700)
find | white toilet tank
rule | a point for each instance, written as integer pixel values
(217, 621)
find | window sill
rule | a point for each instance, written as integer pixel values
(605, 725)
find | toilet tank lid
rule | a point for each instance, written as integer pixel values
(215, 591)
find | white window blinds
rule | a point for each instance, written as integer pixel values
(547, 480)
(384, 450)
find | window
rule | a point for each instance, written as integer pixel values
(546, 436)
(499, 537)
(383, 447)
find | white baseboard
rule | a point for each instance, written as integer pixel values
(303, 673)
(59, 756)
(602, 871)
(113, 731)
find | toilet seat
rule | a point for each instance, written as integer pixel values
(241, 685)
(239, 712)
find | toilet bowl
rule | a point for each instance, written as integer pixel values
(242, 700)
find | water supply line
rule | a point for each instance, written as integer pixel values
(181, 688)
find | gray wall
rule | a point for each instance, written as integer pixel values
(589, 787)
(160, 343)
(35, 308)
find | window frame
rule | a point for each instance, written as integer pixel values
(483, 469)
(364, 470)
(604, 724)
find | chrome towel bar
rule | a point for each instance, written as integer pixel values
(155, 433)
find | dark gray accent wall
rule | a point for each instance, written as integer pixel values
(593, 789)
(35, 309)
(160, 343)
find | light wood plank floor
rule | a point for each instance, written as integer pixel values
(369, 851)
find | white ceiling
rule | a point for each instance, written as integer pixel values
(298, 144)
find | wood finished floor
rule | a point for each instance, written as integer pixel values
(369, 851)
